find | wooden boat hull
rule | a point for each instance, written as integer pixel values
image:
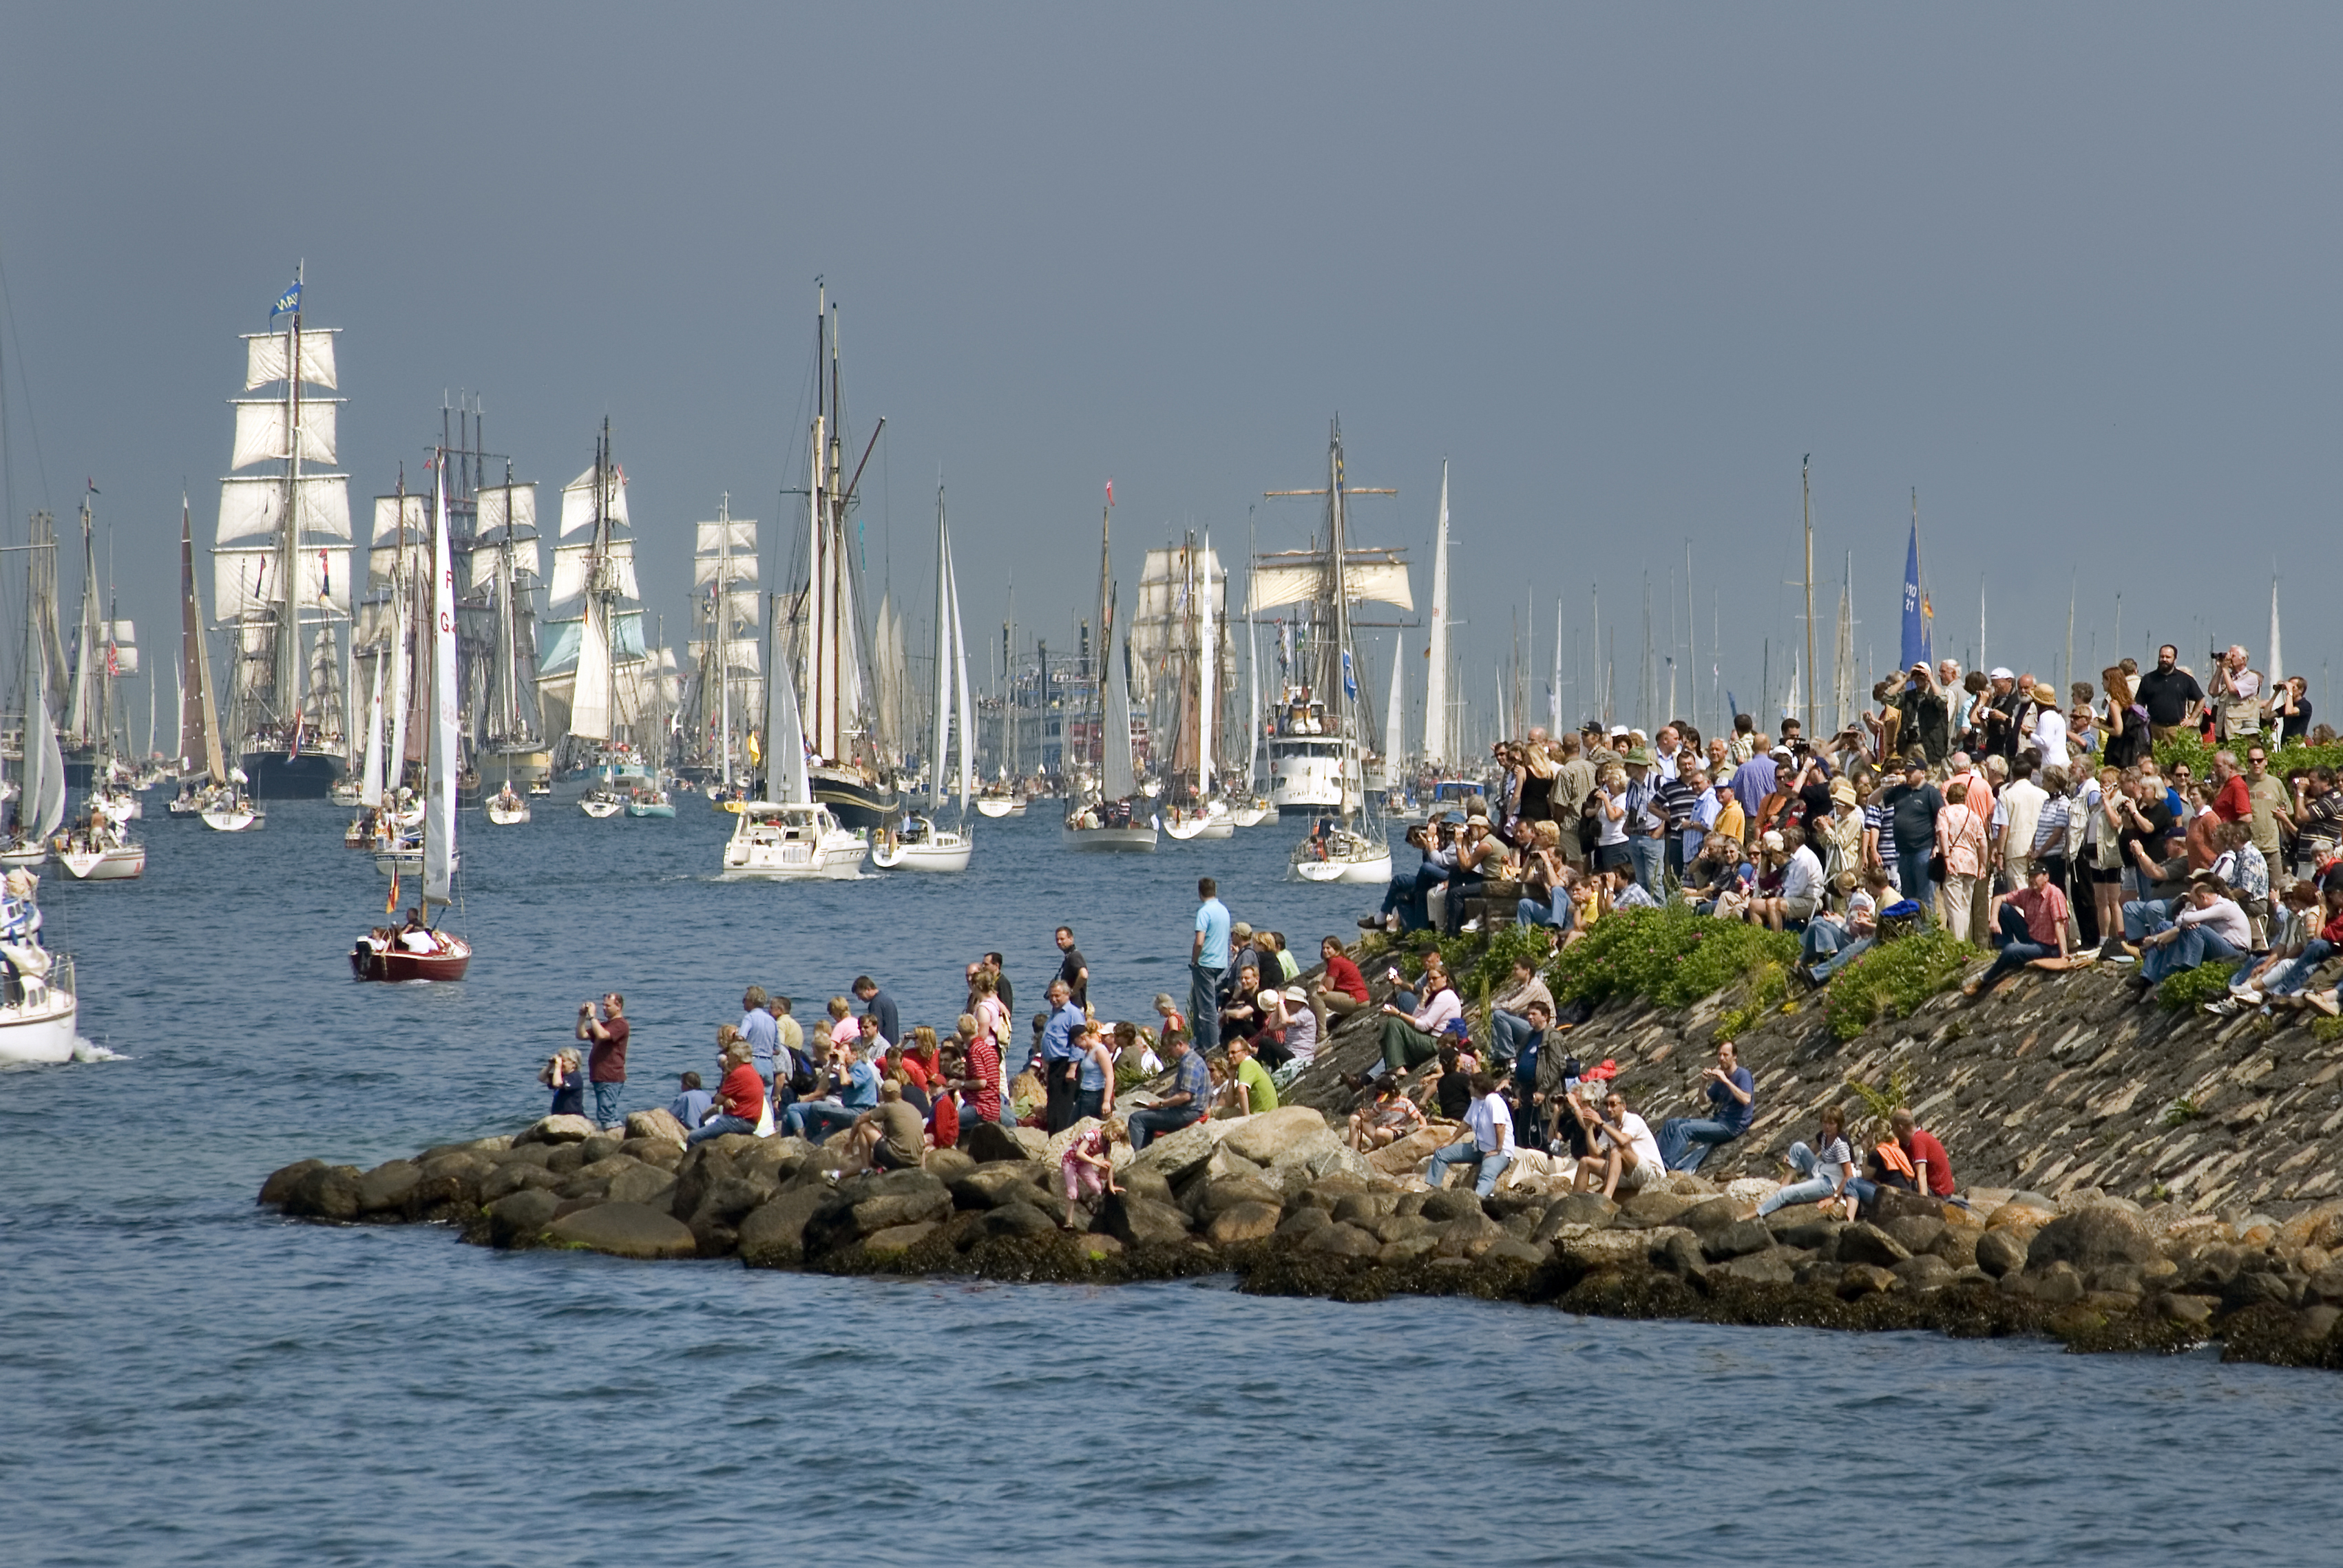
(369, 962)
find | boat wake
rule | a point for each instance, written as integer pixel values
(90, 1051)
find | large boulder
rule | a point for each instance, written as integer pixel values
(515, 1176)
(2001, 1250)
(1723, 1244)
(280, 1184)
(516, 1219)
(1342, 1241)
(988, 1141)
(385, 1189)
(1017, 1219)
(865, 1205)
(1136, 1220)
(1002, 1182)
(656, 1125)
(1864, 1242)
(558, 1130)
(1244, 1221)
(1176, 1155)
(898, 1238)
(773, 1236)
(1709, 1214)
(2093, 1237)
(1211, 1198)
(326, 1193)
(2320, 1225)
(1289, 1134)
(624, 1231)
(640, 1183)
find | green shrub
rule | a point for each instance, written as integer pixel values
(1893, 978)
(2184, 991)
(2327, 1030)
(1769, 987)
(2199, 756)
(2182, 1111)
(1880, 1101)
(1670, 956)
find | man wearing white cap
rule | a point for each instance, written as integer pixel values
(1996, 715)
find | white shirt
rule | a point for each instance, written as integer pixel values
(2050, 737)
(1484, 1116)
(1802, 877)
(1640, 1140)
(1667, 762)
(1435, 1013)
(1613, 832)
(2018, 812)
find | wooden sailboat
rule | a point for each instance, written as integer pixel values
(418, 950)
(1117, 817)
(1196, 809)
(920, 845)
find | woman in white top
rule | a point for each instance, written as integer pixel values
(1825, 1174)
(1611, 818)
(2049, 729)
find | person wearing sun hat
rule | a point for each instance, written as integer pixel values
(2049, 732)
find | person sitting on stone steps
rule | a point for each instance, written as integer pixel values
(1627, 1157)
(890, 1136)
(741, 1095)
(1389, 1118)
(1732, 1092)
(1490, 1147)
(1911, 1159)
(2029, 924)
(1825, 1167)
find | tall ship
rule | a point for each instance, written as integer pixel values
(105, 652)
(849, 770)
(725, 687)
(1183, 669)
(593, 668)
(281, 562)
(497, 617)
(1314, 731)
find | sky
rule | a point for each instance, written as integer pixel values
(2065, 272)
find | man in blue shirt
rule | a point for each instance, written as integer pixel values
(1192, 1092)
(878, 1004)
(1208, 960)
(1061, 1059)
(1685, 1141)
(762, 1033)
(1753, 781)
(851, 1088)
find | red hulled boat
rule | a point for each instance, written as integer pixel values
(383, 955)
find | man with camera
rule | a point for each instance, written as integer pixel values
(606, 1057)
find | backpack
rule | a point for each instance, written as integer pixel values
(801, 1073)
(1898, 919)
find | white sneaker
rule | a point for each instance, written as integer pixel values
(1470, 925)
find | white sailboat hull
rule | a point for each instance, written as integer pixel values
(1203, 828)
(40, 1029)
(237, 819)
(120, 808)
(24, 855)
(600, 809)
(945, 851)
(116, 863)
(507, 816)
(1247, 816)
(409, 862)
(1112, 840)
(1002, 808)
(1376, 870)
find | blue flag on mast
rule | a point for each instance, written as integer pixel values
(1916, 617)
(287, 302)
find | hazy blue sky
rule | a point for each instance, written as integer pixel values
(2071, 273)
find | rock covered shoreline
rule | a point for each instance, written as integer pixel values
(1279, 1202)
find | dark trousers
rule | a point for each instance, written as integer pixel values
(1060, 1108)
(2017, 946)
(1148, 1125)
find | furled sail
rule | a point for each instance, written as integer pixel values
(440, 825)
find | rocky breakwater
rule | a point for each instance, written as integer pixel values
(1279, 1202)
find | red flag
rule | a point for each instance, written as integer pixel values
(1109, 492)
(390, 905)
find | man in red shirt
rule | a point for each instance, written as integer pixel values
(1930, 1163)
(2235, 801)
(2030, 923)
(742, 1096)
(982, 1079)
(1341, 991)
(605, 1058)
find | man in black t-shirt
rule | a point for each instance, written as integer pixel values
(1073, 969)
(2170, 695)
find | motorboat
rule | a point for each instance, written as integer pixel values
(38, 1008)
(921, 846)
(799, 841)
(539, 789)
(651, 803)
(417, 953)
(1341, 854)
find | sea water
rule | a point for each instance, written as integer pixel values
(186, 1379)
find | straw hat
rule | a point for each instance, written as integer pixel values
(1842, 791)
(2043, 692)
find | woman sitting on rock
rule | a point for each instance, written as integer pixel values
(1389, 1118)
(1087, 1167)
(1826, 1167)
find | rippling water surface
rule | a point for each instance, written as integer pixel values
(183, 1378)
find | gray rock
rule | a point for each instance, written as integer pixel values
(2189, 1311)
(1360, 1208)
(1139, 1221)
(1177, 1155)
(1302, 1222)
(2001, 1252)
(602, 1146)
(2016, 1283)
(1723, 1244)
(567, 1159)
(988, 1141)
(699, 1170)
(536, 1154)
(516, 1219)
(1289, 1134)
(2327, 1284)
(2058, 1284)
(1449, 1204)
(1016, 1218)
(624, 1231)
(516, 1177)
(1863, 1243)
(279, 1186)
(2122, 1279)
(1392, 1228)
(1512, 1250)
(1344, 1242)
(2091, 1238)
(1579, 1208)
(1466, 1236)
(655, 1126)
(1924, 1271)
(558, 1130)
(900, 1238)
(1679, 1252)
(1712, 1214)
(2257, 1287)
(1958, 1245)
(1002, 1182)
(1808, 1234)
(947, 1165)
(326, 1193)
(1654, 1208)
(1407, 1249)
(1915, 1232)
(1243, 1221)
(641, 1184)
(1858, 1280)
(385, 1189)
(1766, 1268)
(1226, 1166)
(773, 1236)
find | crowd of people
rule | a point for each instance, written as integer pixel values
(1976, 802)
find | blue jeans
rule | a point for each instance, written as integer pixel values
(1824, 937)
(2291, 976)
(2145, 916)
(1648, 855)
(1529, 913)
(1459, 889)
(815, 1120)
(606, 1104)
(2018, 945)
(1151, 1124)
(1912, 869)
(1492, 1165)
(716, 1127)
(1204, 1005)
(1508, 1033)
(1686, 1140)
(2194, 946)
(1817, 1185)
(1406, 894)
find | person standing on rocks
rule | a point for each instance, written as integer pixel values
(878, 1004)
(757, 1027)
(1208, 960)
(1073, 969)
(606, 1058)
(1060, 1063)
(1732, 1092)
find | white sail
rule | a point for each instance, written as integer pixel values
(265, 358)
(1120, 779)
(578, 501)
(1395, 711)
(1435, 675)
(939, 725)
(370, 792)
(253, 506)
(401, 667)
(965, 709)
(589, 699)
(2276, 667)
(787, 781)
(262, 434)
(1299, 576)
(1208, 661)
(440, 824)
(1252, 711)
(46, 796)
(122, 637)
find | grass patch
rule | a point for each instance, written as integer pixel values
(2184, 991)
(1892, 979)
(2327, 1030)
(2182, 1111)
(1769, 988)
(1670, 956)
(1881, 1101)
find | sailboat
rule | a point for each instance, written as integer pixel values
(848, 773)
(788, 836)
(504, 569)
(38, 1008)
(99, 848)
(1173, 632)
(729, 686)
(507, 810)
(281, 564)
(920, 845)
(41, 801)
(1347, 843)
(589, 670)
(1112, 818)
(421, 951)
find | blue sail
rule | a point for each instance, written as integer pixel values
(1916, 649)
